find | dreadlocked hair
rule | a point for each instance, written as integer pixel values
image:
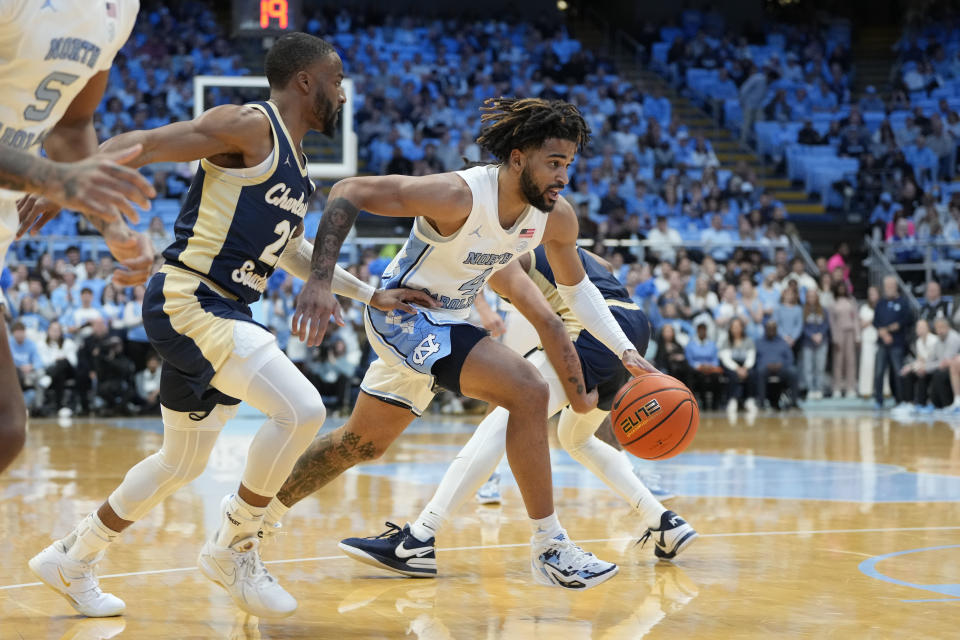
(522, 123)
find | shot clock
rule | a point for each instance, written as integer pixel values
(265, 17)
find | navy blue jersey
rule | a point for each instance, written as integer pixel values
(605, 281)
(235, 223)
(602, 369)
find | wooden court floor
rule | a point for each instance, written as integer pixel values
(829, 524)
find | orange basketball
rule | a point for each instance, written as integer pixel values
(654, 416)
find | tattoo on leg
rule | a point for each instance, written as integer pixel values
(366, 451)
(325, 459)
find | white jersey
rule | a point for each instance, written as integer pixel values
(49, 49)
(453, 269)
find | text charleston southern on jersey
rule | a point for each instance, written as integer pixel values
(219, 232)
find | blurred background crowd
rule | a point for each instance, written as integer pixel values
(717, 155)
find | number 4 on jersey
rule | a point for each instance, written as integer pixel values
(471, 287)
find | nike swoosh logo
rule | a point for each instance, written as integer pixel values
(403, 552)
(62, 579)
(231, 577)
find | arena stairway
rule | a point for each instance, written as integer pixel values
(729, 151)
(874, 56)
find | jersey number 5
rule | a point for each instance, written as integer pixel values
(271, 254)
(47, 95)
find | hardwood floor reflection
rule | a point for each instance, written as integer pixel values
(804, 521)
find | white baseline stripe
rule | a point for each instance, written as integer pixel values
(801, 532)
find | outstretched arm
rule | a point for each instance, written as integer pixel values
(444, 199)
(295, 259)
(224, 130)
(513, 284)
(581, 295)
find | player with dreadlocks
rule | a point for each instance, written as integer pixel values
(469, 227)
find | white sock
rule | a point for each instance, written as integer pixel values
(89, 538)
(427, 524)
(956, 401)
(545, 528)
(467, 473)
(240, 521)
(275, 511)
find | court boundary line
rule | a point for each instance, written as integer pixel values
(735, 534)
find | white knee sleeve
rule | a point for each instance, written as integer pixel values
(575, 433)
(263, 376)
(187, 443)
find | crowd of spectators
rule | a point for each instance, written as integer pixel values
(736, 314)
(890, 155)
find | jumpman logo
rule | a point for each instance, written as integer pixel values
(476, 232)
(287, 162)
(425, 349)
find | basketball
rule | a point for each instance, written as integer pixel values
(654, 416)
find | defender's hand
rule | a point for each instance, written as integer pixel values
(314, 306)
(133, 250)
(636, 364)
(401, 299)
(34, 212)
(495, 325)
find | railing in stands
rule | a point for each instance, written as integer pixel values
(93, 246)
(880, 267)
(800, 250)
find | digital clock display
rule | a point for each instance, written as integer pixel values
(265, 17)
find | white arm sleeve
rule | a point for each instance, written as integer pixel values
(295, 260)
(587, 304)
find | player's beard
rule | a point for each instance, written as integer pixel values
(325, 111)
(533, 194)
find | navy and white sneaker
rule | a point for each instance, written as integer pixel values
(671, 537)
(489, 493)
(395, 550)
(558, 562)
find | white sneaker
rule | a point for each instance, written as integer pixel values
(489, 493)
(750, 405)
(76, 581)
(903, 409)
(557, 562)
(240, 571)
(732, 405)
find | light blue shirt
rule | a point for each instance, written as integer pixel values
(702, 353)
(26, 353)
(789, 320)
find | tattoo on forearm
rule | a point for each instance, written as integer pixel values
(337, 220)
(24, 172)
(573, 370)
(577, 382)
(326, 458)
